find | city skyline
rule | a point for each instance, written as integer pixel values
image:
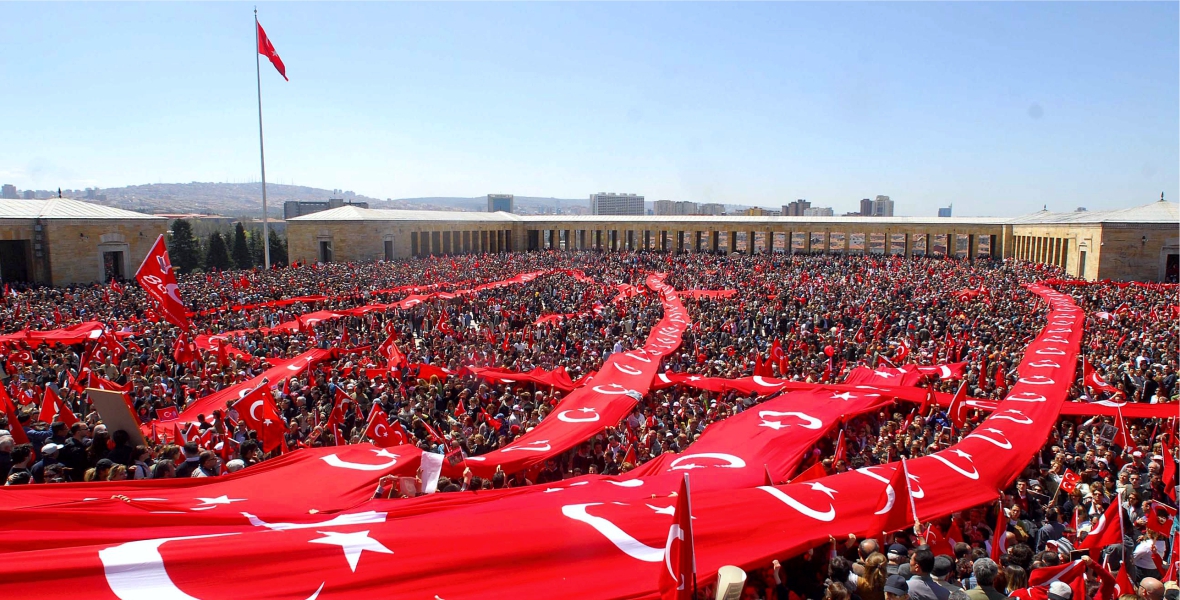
(997, 108)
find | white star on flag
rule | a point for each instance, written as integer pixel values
(208, 503)
(352, 544)
(819, 487)
(844, 396)
(775, 425)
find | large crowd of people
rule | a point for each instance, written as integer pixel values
(829, 314)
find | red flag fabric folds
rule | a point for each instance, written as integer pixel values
(156, 276)
(267, 49)
(676, 581)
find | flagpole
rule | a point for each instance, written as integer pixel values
(261, 149)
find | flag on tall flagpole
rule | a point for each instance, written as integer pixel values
(265, 48)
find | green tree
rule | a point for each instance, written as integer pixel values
(183, 248)
(255, 244)
(278, 249)
(217, 256)
(241, 253)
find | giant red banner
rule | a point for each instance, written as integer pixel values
(605, 538)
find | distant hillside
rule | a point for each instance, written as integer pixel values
(230, 199)
(245, 199)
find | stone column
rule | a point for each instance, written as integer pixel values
(807, 242)
(847, 243)
(972, 249)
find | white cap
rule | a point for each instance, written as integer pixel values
(1059, 590)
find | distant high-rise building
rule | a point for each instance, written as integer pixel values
(672, 207)
(603, 203)
(882, 207)
(945, 212)
(8, 192)
(757, 211)
(30, 194)
(296, 208)
(866, 207)
(819, 211)
(796, 208)
(711, 208)
(501, 202)
(90, 193)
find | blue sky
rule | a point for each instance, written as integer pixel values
(996, 107)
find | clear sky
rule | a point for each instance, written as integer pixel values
(997, 107)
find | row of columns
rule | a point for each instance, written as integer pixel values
(426, 243)
(1046, 250)
(663, 240)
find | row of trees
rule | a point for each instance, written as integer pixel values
(241, 249)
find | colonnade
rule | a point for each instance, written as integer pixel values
(426, 243)
(970, 245)
(1047, 250)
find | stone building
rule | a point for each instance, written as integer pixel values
(1140, 243)
(61, 241)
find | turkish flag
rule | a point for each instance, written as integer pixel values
(1109, 530)
(957, 411)
(182, 351)
(1123, 583)
(813, 472)
(1000, 535)
(1091, 379)
(1169, 476)
(267, 49)
(895, 513)
(167, 413)
(1070, 573)
(380, 431)
(939, 544)
(156, 276)
(18, 432)
(903, 350)
(259, 413)
(390, 351)
(52, 409)
(840, 452)
(1069, 481)
(677, 576)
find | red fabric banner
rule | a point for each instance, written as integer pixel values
(606, 398)
(606, 526)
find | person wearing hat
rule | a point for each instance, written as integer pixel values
(985, 570)
(1059, 590)
(49, 453)
(896, 588)
(944, 569)
(897, 555)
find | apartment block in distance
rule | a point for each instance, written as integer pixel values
(672, 207)
(603, 203)
(796, 208)
(501, 202)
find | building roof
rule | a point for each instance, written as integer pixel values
(356, 213)
(1156, 212)
(64, 208)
